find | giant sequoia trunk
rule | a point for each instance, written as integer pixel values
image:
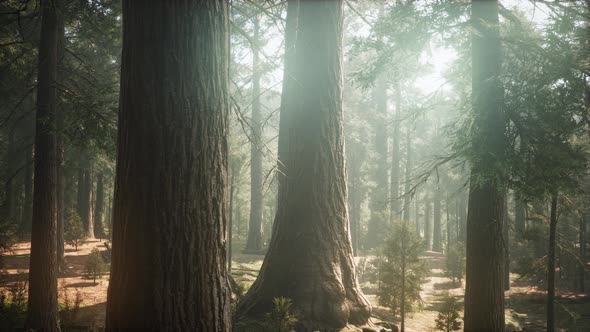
(484, 293)
(254, 242)
(310, 256)
(169, 221)
(42, 311)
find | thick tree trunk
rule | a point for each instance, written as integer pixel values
(254, 241)
(312, 217)
(355, 197)
(484, 293)
(378, 223)
(437, 222)
(99, 208)
(169, 267)
(427, 223)
(395, 157)
(42, 311)
(551, 266)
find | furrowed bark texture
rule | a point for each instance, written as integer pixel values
(484, 294)
(310, 255)
(42, 311)
(169, 219)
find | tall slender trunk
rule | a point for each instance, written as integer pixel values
(27, 216)
(42, 310)
(551, 266)
(520, 216)
(484, 292)
(437, 222)
(408, 177)
(417, 213)
(427, 223)
(582, 253)
(395, 157)
(506, 237)
(87, 201)
(254, 242)
(168, 268)
(232, 189)
(60, 185)
(99, 207)
(379, 199)
(312, 215)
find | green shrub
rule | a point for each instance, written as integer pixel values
(69, 309)
(448, 319)
(401, 270)
(13, 306)
(95, 265)
(455, 265)
(74, 233)
(280, 319)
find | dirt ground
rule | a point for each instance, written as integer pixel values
(525, 306)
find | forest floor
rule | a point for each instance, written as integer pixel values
(525, 304)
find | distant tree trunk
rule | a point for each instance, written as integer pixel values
(551, 266)
(254, 242)
(379, 199)
(27, 217)
(463, 217)
(232, 189)
(582, 241)
(417, 214)
(60, 185)
(520, 216)
(506, 237)
(395, 157)
(408, 177)
(60, 207)
(448, 223)
(42, 311)
(319, 276)
(427, 223)
(355, 197)
(99, 208)
(87, 201)
(80, 206)
(484, 293)
(437, 222)
(7, 211)
(169, 267)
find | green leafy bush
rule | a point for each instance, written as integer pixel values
(95, 265)
(280, 319)
(455, 265)
(401, 270)
(13, 306)
(448, 319)
(74, 233)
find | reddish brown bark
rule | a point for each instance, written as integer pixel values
(42, 311)
(310, 254)
(169, 216)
